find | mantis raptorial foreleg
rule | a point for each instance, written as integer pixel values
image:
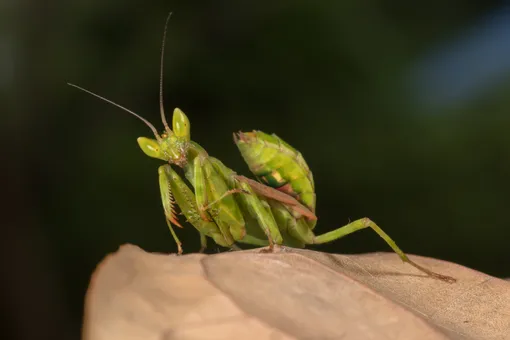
(168, 205)
(174, 235)
(174, 191)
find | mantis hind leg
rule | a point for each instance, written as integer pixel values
(367, 223)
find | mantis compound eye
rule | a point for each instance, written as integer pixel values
(150, 147)
(180, 125)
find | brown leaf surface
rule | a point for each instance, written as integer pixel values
(291, 294)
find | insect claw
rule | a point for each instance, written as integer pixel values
(174, 221)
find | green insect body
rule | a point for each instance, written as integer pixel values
(278, 165)
(279, 208)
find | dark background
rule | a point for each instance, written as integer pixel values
(400, 108)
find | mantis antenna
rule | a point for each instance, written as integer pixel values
(161, 108)
(121, 107)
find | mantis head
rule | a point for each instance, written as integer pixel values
(170, 146)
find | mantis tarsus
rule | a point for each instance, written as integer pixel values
(277, 209)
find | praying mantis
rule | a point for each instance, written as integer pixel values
(277, 208)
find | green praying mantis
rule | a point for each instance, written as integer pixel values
(277, 208)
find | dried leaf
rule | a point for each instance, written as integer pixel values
(291, 294)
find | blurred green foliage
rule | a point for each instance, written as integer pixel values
(325, 76)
